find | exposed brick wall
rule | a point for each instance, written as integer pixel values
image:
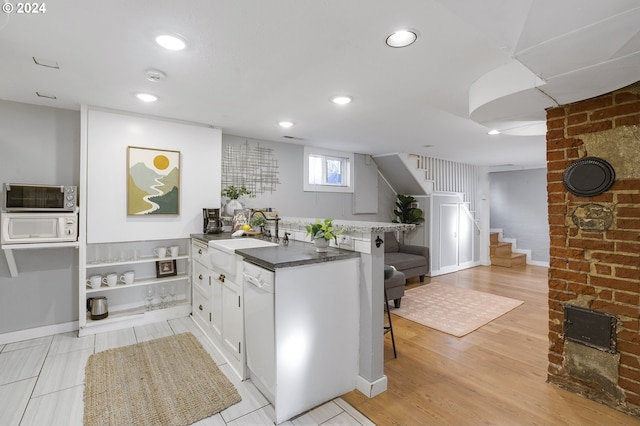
(597, 270)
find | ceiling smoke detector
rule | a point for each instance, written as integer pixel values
(155, 75)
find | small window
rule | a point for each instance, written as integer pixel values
(328, 171)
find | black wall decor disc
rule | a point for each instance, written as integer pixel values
(588, 177)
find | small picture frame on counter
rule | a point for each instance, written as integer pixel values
(166, 268)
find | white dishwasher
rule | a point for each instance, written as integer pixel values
(259, 317)
(301, 333)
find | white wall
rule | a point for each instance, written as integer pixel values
(39, 145)
(109, 135)
(289, 199)
(519, 208)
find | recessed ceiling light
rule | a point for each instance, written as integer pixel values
(341, 100)
(402, 38)
(493, 132)
(146, 97)
(285, 124)
(171, 42)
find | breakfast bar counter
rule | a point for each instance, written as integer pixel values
(284, 255)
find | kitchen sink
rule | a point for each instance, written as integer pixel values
(231, 245)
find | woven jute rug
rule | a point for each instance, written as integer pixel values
(453, 310)
(167, 381)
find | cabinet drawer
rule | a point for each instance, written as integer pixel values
(200, 253)
(201, 306)
(201, 278)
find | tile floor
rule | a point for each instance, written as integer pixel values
(42, 381)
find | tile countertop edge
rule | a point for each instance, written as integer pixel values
(350, 225)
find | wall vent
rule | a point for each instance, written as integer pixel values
(592, 328)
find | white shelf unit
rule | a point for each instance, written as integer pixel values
(8, 250)
(127, 302)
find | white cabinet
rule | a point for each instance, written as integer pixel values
(449, 231)
(201, 293)
(218, 301)
(232, 321)
(128, 303)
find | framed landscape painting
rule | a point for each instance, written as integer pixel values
(153, 181)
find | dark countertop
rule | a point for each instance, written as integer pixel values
(296, 253)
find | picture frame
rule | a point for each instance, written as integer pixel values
(240, 218)
(153, 182)
(166, 268)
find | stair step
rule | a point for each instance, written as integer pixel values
(494, 238)
(515, 259)
(500, 249)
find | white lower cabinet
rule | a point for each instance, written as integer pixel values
(220, 312)
(168, 278)
(232, 324)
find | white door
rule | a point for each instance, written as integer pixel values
(448, 238)
(465, 237)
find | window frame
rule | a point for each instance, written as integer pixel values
(326, 154)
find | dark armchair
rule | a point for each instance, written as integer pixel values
(412, 261)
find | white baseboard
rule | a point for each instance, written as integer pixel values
(34, 333)
(371, 389)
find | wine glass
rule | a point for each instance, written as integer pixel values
(172, 293)
(149, 296)
(163, 296)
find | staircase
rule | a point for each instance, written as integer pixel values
(501, 254)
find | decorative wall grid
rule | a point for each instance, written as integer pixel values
(255, 167)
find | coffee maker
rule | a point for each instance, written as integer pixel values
(211, 221)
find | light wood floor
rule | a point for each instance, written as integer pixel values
(493, 376)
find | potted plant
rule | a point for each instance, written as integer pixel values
(322, 232)
(233, 193)
(258, 221)
(406, 212)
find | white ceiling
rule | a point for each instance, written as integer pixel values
(252, 63)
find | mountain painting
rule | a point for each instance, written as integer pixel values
(153, 182)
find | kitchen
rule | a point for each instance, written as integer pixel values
(24, 280)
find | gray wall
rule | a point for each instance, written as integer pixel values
(519, 207)
(42, 145)
(39, 145)
(290, 200)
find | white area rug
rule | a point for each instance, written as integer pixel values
(453, 310)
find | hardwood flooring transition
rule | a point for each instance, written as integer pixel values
(495, 375)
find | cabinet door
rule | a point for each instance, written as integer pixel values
(216, 304)
(448, 238)
(232, 318)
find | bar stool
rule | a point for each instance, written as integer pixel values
(392, 278)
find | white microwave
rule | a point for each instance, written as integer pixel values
(20, 228)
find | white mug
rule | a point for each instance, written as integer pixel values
(127, 277)
(110, 279)
(95, 281)
(160, 251)
(173, 251)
